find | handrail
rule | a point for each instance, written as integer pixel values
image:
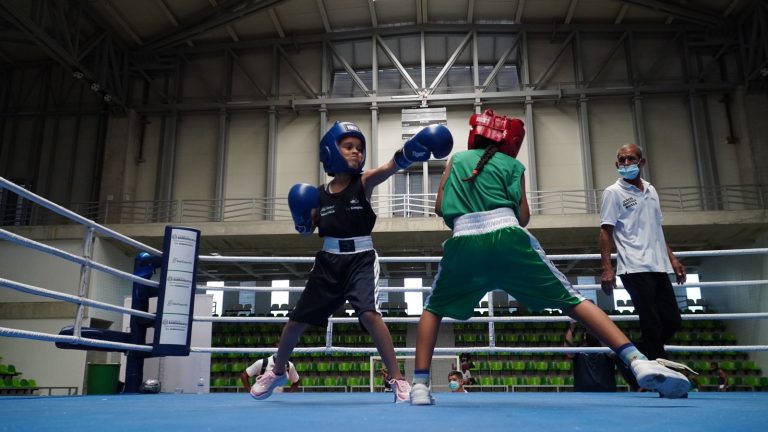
(563, 202)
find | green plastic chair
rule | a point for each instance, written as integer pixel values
(510, 381)
(751, 381)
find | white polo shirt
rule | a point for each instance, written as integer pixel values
(636, 219)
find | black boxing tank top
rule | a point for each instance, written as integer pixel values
(347, 213)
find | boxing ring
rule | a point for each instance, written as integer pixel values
(372, 411)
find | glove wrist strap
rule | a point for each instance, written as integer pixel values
(401, 161)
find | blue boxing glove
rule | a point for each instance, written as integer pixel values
(302, 199)
(434, 140)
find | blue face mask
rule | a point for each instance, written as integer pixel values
(453, 385)
(629, 172)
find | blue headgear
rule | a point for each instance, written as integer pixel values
(330, 156)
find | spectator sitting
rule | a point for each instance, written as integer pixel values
(385, 376)
(466, 374)
(466, 358)
(456, 382)
(723, 383)
(261, 366)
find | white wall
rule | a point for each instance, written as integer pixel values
(558, 151)
(36, 268)
(40, 360)
(610, 127)
(196, 154)
(669, 145)
(146, 170)
(247, 160)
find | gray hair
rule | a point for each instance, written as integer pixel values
(628, 145)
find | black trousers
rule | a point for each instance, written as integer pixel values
(655, 302)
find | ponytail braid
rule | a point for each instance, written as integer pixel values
(489, 152)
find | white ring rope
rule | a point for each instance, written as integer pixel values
(23, 241)
(480, 349)
(76, 217)
(486, 319)
(120, 346)
(428, 289)
(436, 259)
(30, 289)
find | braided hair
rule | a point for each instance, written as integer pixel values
(491, 147)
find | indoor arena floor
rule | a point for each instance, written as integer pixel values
(370, 412)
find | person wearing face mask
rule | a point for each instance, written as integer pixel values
(630, 219)
(456, 382)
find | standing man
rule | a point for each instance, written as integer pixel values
(630, 218)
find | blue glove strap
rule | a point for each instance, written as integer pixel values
(400, 160)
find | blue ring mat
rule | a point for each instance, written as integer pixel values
(370, 412)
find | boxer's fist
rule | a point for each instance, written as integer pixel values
(434, 140)
(302, 199)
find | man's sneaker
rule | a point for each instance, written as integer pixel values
(266, 383)
(401, 389)
(652, 375)
(421, 395)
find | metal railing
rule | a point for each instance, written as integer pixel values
(15, 210)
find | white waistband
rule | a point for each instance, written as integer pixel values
(347, 245)
(484, 222)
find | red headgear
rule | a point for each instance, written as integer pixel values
(508, 132)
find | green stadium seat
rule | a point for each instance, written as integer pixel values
(751, 366)
(751, 381)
